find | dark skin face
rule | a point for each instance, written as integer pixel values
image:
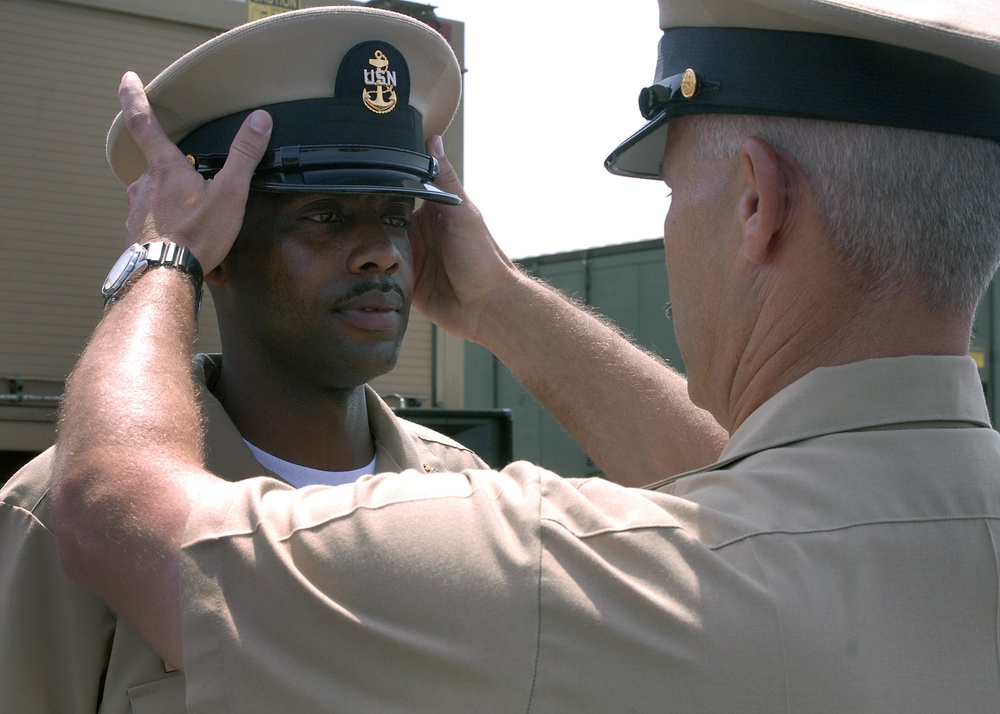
(313, 302)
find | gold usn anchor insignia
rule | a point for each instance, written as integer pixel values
(379, 93)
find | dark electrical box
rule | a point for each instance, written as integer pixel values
(488, 432)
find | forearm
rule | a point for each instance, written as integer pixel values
(628, 410)
(129, 443)
(129, 457)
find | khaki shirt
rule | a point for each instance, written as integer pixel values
(61, 650)
(841, 556)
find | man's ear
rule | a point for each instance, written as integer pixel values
(764, 201)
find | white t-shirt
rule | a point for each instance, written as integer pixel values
(300, 476)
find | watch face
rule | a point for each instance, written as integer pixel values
(122, 269)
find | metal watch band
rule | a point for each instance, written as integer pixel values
(151, 255)
(172, 255)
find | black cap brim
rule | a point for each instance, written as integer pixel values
(641, 155)
(357, 181)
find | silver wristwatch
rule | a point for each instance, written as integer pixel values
(138, 258)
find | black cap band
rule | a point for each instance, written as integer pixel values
(808, 75)
(322, 121)
(798, 74)
(387, 157)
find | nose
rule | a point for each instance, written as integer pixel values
(376, 250)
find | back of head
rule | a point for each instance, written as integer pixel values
(893, 113)
(905, 209)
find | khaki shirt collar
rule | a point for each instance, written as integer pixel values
(395, 449)
(893, 392)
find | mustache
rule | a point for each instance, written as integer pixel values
(384, 285)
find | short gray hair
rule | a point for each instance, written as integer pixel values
(904, 208)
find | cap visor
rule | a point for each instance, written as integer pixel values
(354, 182)
(641, 155)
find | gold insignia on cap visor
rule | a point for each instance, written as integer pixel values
(379, 93)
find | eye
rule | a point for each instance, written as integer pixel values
(396, 221)
(324, 217)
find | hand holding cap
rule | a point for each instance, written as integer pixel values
(171, 201)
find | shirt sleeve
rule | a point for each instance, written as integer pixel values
(54, 634)
(377, 595)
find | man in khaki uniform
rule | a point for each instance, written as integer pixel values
(835, 219)
(289, 399)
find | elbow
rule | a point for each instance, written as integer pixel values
(73, 532)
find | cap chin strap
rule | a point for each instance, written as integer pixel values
(291, 160)
(340, 169)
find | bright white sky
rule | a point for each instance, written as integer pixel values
(551, 89)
